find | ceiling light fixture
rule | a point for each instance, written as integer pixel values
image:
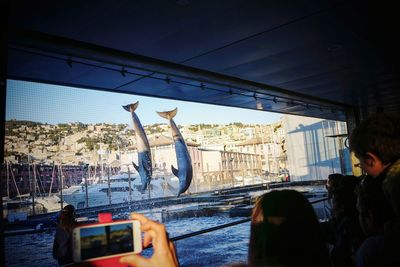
(123, 71)
(69, 62)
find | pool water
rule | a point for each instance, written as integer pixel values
(216, 248)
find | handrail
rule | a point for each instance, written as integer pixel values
(211, 229)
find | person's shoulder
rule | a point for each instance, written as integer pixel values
(372, 245)
(374, 242)
(394, 169)
(371, 251)
(391, 186)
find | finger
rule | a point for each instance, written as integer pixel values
(146, 224)
(148, 238)
(135, 260)
(137, 216)
(173, 252)
(157, 233)
(157, 227)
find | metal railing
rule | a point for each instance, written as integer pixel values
(218, 227)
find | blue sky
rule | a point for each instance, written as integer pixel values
(60, 104)
(101, 230)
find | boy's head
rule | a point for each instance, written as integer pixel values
(376, 143)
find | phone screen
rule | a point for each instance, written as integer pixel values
(106, 240)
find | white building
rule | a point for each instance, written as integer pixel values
(223, 167)
(312, 152)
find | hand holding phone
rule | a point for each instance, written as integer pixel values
(106, 240)
(164, 250)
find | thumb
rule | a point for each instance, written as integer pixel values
(135, 261)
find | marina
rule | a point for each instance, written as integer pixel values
(233, 202)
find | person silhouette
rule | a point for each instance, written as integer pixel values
(62, 245)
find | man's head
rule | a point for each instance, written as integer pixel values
(376, 143)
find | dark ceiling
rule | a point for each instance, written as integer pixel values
(308, 57)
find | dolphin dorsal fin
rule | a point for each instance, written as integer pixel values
(135, 166)
(131, 107)
(168, 114)
(174, 171)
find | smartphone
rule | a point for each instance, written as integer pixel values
(106, 240)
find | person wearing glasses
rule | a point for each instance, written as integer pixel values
(376, 143)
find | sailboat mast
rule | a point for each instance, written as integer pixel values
(32, 186)
(40, 183)
(62, 185)
(95, 173)
(15, 183)
(60, 176)
(52, 178)
(86, 186)
(36, 186)
(109, 184)
(8, 180)
(101, 162)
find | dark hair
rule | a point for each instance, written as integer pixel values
(371, 197)
(333, 183)
(345, 196)
(378, 134)
(294, 239)
(67, 217)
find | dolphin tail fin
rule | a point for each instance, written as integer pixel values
(168, 114)
(131, 107)
(135, 166)
(174, 171)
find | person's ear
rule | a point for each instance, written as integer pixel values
(371, 159)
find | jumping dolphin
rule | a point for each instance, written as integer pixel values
(143, 147)
(184, 171)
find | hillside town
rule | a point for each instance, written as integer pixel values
(218, 152)
(293, 148)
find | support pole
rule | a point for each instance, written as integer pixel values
(86, 187)
(109, 184)
(61, 179)
(130, 188)
(352, 120)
